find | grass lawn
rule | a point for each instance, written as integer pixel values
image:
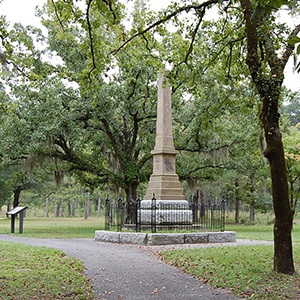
(246, 270)
(260, 232)
(28, 272)
(54, 227)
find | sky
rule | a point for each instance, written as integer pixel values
(23, 11)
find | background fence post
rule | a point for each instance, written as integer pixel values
(222, 215)
(107, 213)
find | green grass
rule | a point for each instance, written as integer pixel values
(28, 272)
(246, 271)
(252, 232)
(260, 232)
(54, 227)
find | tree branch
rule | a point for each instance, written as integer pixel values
(57, 16)
(202, 13)
(109, 4)
(221, 50)
(113, 139)
(289, 48)
(252, 40)
(90, 36)
(168, 17)
(271, 56)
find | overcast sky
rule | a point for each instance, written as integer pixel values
(23, 11)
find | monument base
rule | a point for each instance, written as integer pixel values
(165, 212)
(151, 239)
(164, 187)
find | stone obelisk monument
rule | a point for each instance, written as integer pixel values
(164, 182)
(171, 208)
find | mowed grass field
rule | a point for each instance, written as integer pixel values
(260, 232)
(28, 272)
(54, 227)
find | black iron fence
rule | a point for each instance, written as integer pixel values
(114, 214)
(156, 215)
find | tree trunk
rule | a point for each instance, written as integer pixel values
(252, 213)
(8, 208)
(131, 196)
(47, 207)
(69, 209)
(269, 86)
(293, 197)
(202, 203)
(252, 203)
(99, 207)
(57, 208)
(87, 207)
(62, 208)
(73, 208)
(283, 254)
(274, 152)
(17, 193)
(237, 201)
(198, 206)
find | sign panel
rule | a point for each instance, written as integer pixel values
(16, 210)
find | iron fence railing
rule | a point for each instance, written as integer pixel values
(158, 215)
(114, 214)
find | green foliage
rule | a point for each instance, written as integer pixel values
(295, 40)
(273, 4)
(28, 272)
(97, 125)
(90, 111)
(292, 109)
(292, 146)
(5, 191)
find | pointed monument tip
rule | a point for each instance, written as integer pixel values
(163, 73)
(163, 81)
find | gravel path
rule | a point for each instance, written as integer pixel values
(131, 272)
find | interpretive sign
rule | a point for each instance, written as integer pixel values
(13, 213)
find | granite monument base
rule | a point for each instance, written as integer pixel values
(165, 212)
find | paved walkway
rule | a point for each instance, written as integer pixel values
(131, 272)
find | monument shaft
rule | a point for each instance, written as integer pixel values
(164, 182)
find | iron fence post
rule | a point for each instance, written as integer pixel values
(138, 215)
(153, 214)
(120, 210)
